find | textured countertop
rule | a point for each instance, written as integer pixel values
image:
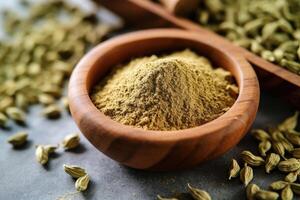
(22, 178)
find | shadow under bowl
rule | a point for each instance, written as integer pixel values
(161, 150)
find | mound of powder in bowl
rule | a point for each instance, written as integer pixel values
(171, 92)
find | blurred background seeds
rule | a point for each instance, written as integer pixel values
(39, 53)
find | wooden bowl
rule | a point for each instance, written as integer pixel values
(161, 150)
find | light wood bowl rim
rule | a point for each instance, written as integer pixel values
(80, 74)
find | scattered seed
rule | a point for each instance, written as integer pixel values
(251, 190)
(18, 139)
(198, 194)
(246, 174)
(41, 154)
(16, 114)
(260, 135)
(74, 171)
(296, 188)
(292, 176)
(71, 141)
(289, 123)
(82, 183)
(272, 161)
(289, 165)
(234, 169)
(278, 148)
(52, 111)
(287, 193)
(266, 195)
(264, 147)
(278, 185)
(296, 153)
(251, 159)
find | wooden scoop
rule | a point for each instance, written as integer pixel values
(180, 7)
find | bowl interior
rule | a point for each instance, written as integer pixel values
(123, 52)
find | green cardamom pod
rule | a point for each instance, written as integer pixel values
(289, 123)
(41, 154)
(293, 137)
(203, 17)
(52, 111)
(269, 29)
(82, 183)
(18, 139)
(264, 147)
(6, 103)
(3, 120)
(246, 174)
(198, 194)
(253, 25)
(289, 165)
(271, 162)
(74, 171)
(16, 114)
(276, 135)
(251, 190)
(289, 46)
(278, 54)
(287, 193)
(46, 99)
(278, 185)
(245, 43)
(161, 198)
(71, 141)
(285, 26)
(52, 90)
(295, 187)
(50, 148)
(234, 169)
(290, 65)
(251, 159)
(296, 153)
(266, 195)
(260, 134)
(214, 6)
(255, 47)
(278, 148)
(292, 176)
(268, 55)
(279, 137)
(287, 145)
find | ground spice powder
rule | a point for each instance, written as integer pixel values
(176, 91)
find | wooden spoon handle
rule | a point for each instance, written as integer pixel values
(180, 7)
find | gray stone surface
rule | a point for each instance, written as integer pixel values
(21, 177)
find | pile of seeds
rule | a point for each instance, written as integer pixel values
(269, 28)
(278, 148)
(39, 53)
